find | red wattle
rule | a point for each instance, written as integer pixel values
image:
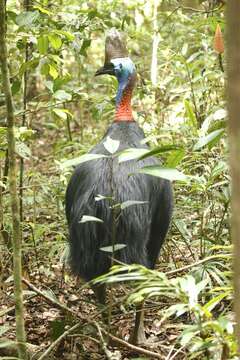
(124, 109)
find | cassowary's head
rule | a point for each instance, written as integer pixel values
(118, 64)
(117, 61)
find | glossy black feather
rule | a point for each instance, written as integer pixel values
(141, 227)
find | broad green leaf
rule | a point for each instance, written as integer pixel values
(159, 150)
(42, 44)
(55, 40)
(4, 329)
(220, 114)
(42, 10)
(16, 86)
(62, 95)
(190, 114)
(23, 150)
(131, 154)
(49, 85)
(60, 113)
(53, 71)
(128, 203)
(113, 248)
(27, 18)
(86, 43)
(111, 145)
(67, 34)
(164, 173)
(210, 305)
(7, 344)
(31, 64)
(81, 159)
(209, 139)
(88, 218)
(44, 68)
(174, 158)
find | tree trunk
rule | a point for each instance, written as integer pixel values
(16, 226)
(233, 68)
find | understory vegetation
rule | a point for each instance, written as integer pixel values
(61, 112)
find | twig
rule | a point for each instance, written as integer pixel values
(213, 257)
(103, 343)
(12, 308)
(56, 342)
(48, 298)
(138, 349)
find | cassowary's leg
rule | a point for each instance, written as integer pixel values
(138, 335)
(100, 293)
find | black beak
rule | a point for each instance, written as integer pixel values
(106, 69)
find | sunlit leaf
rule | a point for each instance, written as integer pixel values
(62, 95)
(113, 248)
(82, 159)
(53, 71)
(111, 145)
(128, 203)
(55, 40)
(131, 154)
(158, 171)
(88, 218)
(42, 44)
(209, 139)
(27, 18)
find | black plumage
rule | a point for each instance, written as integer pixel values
(142, 227)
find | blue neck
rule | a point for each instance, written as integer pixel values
(122, 85)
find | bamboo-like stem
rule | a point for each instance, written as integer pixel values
(233, 89)
(156, 39)
(25, 81)
(16, 226)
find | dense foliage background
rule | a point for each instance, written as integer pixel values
(62, 110)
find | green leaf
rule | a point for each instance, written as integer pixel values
(27, 18)
(111, 145)
(128, 203)
(49, 85)
(62, 113)
(209, 139)
(55, 41)
(53, 71)
(42, 44)
(86, 43)
(113, 248)
(23, 150)
(82, 159)
(16, 86)
(190, 114)
(66, 34)
(7, 344)
(131, 154)
(44, 68)
(164, 173)
(174, 158)
(88, 218)
(62, 95)
(31, 64)
(159, 150)
(42, 10)
(4, 329)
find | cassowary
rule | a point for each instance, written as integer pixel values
(141, 227)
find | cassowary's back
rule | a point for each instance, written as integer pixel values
(141, 227)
